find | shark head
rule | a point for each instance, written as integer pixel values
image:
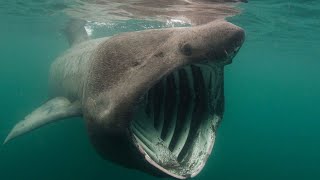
(153, 99)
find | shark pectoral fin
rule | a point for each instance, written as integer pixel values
(51, 111)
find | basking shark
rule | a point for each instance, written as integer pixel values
(152, 100)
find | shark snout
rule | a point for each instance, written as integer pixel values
(233, 43)
(217, 42)
(235, 36)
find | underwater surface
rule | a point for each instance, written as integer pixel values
(271, 125)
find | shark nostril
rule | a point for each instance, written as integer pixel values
(186, 49)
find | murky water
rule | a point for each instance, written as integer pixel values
(272, 119)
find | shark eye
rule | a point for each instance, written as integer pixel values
(186, 49)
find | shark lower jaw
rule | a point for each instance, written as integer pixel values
(174, 124)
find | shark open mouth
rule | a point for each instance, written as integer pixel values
(174, 126)
(175, 122)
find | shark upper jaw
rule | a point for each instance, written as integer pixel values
(163, 121)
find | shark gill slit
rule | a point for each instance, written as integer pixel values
(170, 110)
(183, 115)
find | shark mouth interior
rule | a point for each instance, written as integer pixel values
(175, 122)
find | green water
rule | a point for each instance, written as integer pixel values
(272, 119)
